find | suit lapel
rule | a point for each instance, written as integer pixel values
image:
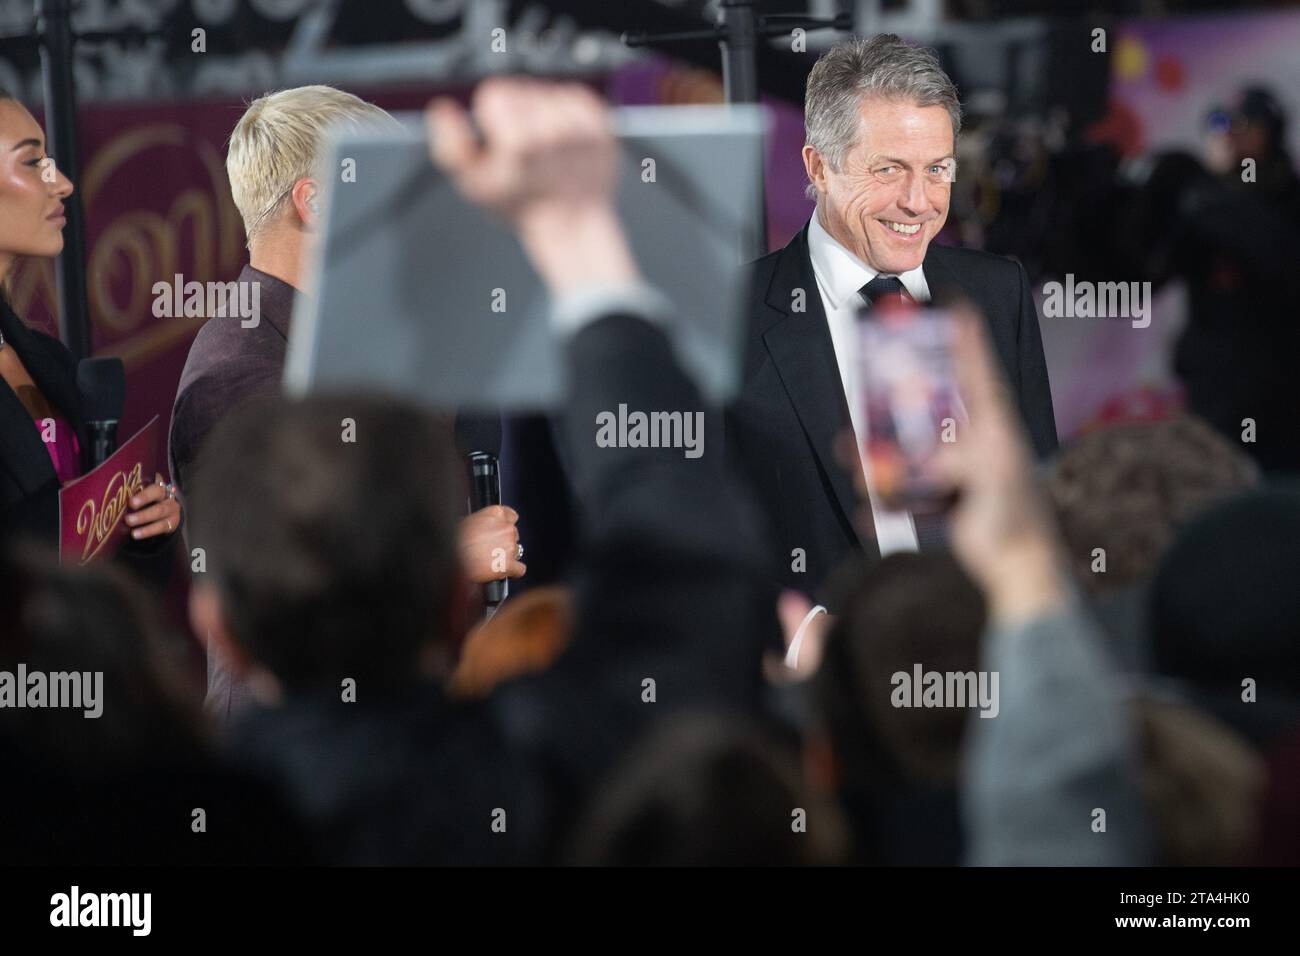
(803, 353)
(945, 288)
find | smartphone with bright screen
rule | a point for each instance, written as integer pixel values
(909, 403)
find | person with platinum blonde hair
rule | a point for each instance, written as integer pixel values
(881, 118)
(273, 163)
(273, 156)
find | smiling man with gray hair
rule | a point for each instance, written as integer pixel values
(882, 119)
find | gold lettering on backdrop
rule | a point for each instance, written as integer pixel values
(151, 244)
(145, 241)
(199, 237)
(141, 237)
(193, 207)
(98, 525)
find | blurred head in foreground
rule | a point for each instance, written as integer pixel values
(1128, 489)
(90, 620)
(895, 768)
(1224, 608)
(328, 527)
(1204, 785)
(705, 790)
(107, 761)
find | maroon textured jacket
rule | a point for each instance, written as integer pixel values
(228, 365)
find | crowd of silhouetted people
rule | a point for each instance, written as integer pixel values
(1136, 597)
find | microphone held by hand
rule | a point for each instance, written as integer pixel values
(102, 384)
(478, 441)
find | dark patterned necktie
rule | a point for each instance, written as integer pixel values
(884, 291)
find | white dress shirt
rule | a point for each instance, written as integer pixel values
(840, 274)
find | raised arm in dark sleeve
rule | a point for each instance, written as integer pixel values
(671, 569)
(673, 608)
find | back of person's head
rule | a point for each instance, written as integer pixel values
(1224, 605)
(81, 647)
(911, 609)
(107, 762)
(706, 791)
(1127, 489)
(328, 527)
(278, 141)
(1204, 785)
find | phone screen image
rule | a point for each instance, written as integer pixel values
(911, 407)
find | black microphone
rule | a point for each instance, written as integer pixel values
(102, 384)
(478, 440)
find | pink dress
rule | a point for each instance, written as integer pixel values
(65, 450)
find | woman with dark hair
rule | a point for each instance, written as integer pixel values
(42, 432)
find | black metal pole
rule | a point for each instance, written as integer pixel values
(54, 26)
(739, 54)
(740, 85)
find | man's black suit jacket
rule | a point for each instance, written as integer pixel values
(781, 430)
